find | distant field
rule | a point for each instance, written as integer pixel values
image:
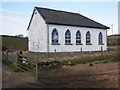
(12, 42)
(113, 40)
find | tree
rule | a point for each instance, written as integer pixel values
(20, 35)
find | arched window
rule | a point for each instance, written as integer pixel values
(88, 38)
(100, 37)
(67, 37)
(78, 37)
(54, 36)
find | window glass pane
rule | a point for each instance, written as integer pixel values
(67, 37)
(55, 36)
(78, 37)
(88, 37)
(100, 38)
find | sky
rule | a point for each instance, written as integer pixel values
(15, 16)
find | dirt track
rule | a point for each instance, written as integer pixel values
(78, 76)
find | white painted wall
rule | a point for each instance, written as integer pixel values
(38, 37)
(38, 34)
(74, 48)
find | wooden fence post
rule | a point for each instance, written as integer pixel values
(37, 71)
(55, 54)
(81, 50)
(17, 60)
(101, 50)
(7, 54)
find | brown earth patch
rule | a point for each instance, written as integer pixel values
(103, 75)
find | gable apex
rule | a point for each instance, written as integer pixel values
(59, 17)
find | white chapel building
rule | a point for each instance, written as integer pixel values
(61, 31)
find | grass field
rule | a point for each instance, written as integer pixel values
(113, 40)
(16, 43)
(108, 56)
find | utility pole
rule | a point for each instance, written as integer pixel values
(112, 34)
(112, 29)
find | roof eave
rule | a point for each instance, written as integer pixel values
(31, 18)
(77, 25)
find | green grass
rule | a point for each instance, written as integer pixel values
(108, 56)
(112, 40)
(88, 59)
(12, 42)
(11, 65)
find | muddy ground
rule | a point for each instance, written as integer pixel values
(103, 75)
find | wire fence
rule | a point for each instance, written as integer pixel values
(33, 61)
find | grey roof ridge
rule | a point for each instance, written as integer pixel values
(72, 13)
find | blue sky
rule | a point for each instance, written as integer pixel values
(16, 15)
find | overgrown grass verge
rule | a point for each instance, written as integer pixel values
(11, 65)
(88, 59)
(108, 56)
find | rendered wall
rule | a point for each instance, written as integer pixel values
(37, 34)
(75, 48)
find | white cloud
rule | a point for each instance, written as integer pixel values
(13, 25)
(6, 12)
